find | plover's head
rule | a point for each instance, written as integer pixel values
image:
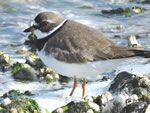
(44, 23)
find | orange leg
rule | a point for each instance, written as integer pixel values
(74, 86)
(84, 87)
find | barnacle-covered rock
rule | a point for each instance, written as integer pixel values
(126, 11)
(127, 83)
(78, 107)
(16, 102)
(34, 61)
(103, 99)
(22, 51)
(137, 107)
(21, 105)
(116, 104)
(5, 61)
(48, 74)
(132, 42)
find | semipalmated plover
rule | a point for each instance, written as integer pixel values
(76, 50)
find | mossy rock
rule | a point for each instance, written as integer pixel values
(124, 11)
(86, 7)
(4, 59)
(31, 42)
(13, 94)
(22, 51)
(117, 11)
(147, 97)
(78, 107)
(18, 103)
(25, 74)
(17, 66)
(34, 61)
(22, 105)
(48, 74)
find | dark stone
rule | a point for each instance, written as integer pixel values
(137, 107)
(24, 74)
(63, 79)
(77, 107)
(13, 94)
(124, 82)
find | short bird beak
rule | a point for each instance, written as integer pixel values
(30, 29)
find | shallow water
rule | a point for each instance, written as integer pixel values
(16, 15)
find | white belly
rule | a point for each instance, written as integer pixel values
(79, 70)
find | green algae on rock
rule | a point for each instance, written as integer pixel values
(48, 74)
(25, 74)
(31, 42)
(23, 71)
(17, 66)
(124, 11)
(13, 94)
(17, 102)
(21, 104)
(33, 60)
(77, 107)
(86, 7)
(22, 51)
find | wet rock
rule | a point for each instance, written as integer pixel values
(138, 9)
(146, 2)
(121, 81)
(148, 35)
(13, 94)
(21, 105)
(116, 104)
(5, 61)
(103, 99)
(127, 83)
(105, 78)
(31, 42)
(147, 97)
(25, 74)
(78, 107)
(124, 11)
(132, 42)
(117, 11)
(23, 71)
(17, 66)
(48, 74)
(34, 60)
(86, 7)
(6, 101)
(16, 102)
(64, 79)
(137, 107)
(22, 51)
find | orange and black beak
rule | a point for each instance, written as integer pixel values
(30, 29)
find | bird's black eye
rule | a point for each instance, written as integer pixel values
(42, 24)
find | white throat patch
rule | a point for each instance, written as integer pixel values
(40, 34)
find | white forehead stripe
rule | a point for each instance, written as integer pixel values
(40, 34)
(50, 21)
